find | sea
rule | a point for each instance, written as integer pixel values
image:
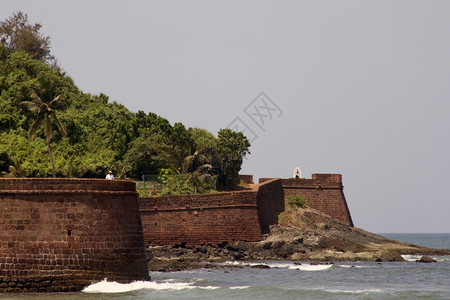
(289, 280)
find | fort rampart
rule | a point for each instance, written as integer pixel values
(64, 234)
(208, 219)
(214, 219)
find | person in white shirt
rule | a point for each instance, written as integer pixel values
(110, 175)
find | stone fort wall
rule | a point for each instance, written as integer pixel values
(213, 219)
(64, 234)
(207, 219)
(324, 192)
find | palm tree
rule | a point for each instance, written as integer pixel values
(45, 109)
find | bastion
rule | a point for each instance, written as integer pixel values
(64, 234)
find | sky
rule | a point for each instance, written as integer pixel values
(359, 88)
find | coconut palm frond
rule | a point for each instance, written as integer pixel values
(56, 99)
(37, 99)
(34, 128)
(59, 125)
(32, 106)
(202, 167)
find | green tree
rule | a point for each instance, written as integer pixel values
(45, 107)
(144, 156)
(17, 34)
(231, 149)
(179, 152)
(151, 123)
(205, 156)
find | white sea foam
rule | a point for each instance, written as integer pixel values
(310, 267)
(411, 257)
(442, 258)
(232, 263)
(290, 266)
(280, 265)
(115, 287)
(417, 257)
(244, 264)
(239, 287)
(366, 291)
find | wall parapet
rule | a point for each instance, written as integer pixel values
(197, 201)
(65, 184)
(246, 178)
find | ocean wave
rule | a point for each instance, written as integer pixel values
(291, 266)
(281, 265)
(417, 257)
(239, 287)
(411, 257)
(442, 258)
(241, 264)
(112, 287)
(365, 291)
(310, 267)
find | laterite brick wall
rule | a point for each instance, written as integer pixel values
(324, 193)
(246, 178)
(212, 219)
(270, 202)
(208, 219)
(64, 234)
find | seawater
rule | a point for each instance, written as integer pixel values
(289, 280)
(432, 240)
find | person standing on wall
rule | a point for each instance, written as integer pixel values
(110, 175)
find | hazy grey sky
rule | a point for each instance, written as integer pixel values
(362, 87)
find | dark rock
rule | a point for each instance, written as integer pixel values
(201, 249)
(348, 246)
(267, 245)
(426, 259)
(242, 246)
(328, 242)
(277, 245)
(222, 245)
(260, 267)
(238, 256)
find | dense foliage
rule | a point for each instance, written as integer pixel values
(101, 135)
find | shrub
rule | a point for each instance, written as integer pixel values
(297, 201)
(187, 184)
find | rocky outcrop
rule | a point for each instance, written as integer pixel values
(426, 259)
(302, 234)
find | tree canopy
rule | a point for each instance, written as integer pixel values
(17, 34)
(101, 135)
